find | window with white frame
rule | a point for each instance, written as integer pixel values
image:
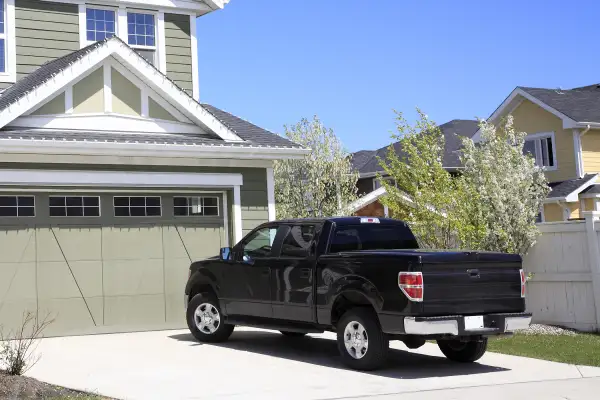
(17, 206)
(137, 206)
(141, 34)
(542, 149)
(100, 23)
(3, 36)
(196, 206)
(74, 206)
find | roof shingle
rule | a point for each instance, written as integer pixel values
(451, 131)
(580, 104)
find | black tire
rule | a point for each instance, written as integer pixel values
(464, 352)
(378, 342)
(293, 334)
(222, 332)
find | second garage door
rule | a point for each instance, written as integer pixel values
(104, 262)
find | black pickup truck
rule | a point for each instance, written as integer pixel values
(363, 278)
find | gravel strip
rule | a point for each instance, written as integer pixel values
(539, 329)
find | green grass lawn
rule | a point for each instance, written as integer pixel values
(581, 349)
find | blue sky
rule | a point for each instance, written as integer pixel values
(352, 62)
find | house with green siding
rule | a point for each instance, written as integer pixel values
(113, 175)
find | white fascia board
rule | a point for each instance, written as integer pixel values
(367, 199)
(127, 56)
(149, 149)
(568, 123)
(173, 6)
(38, 177)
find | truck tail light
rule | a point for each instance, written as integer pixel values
(411, 284)
(523, 282)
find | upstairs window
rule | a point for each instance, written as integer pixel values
(141, 34)
(542, 149)
(100, 24)
(2, 36)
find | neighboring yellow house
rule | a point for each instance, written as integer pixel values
(563, 129)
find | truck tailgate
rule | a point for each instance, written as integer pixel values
(471, 283)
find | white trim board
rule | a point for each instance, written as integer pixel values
(271, 193)
(171, 6)
(117, 178)
(92, 148)
(140, 67)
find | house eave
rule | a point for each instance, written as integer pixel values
(150, 150)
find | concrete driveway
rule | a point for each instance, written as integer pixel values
(256, 364)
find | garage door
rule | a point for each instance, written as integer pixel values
(103, 262)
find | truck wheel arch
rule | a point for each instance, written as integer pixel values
(349, 299)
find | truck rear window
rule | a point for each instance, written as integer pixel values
(372, 237)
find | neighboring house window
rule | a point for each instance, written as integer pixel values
(74, 206)
(377, 182)
(195, 206)
(141, 34)
(541, 148)
(137, 206)
(100, 24)
(17, 206)
(3, 36)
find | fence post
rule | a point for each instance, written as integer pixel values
(592, 219)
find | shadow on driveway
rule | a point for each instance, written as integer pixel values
(324, 352)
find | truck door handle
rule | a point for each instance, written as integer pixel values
(305, 273)
(473, 273)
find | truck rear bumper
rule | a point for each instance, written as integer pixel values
(454, 325)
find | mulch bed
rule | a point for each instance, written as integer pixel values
(22, 387)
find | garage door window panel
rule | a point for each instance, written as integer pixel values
(137, 206)
(17, 206)
(74, 206)
(203, 206)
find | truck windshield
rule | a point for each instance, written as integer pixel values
(372, 237)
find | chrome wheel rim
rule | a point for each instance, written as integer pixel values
(356, 340)
(207, 318)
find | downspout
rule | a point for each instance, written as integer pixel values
(587, 128)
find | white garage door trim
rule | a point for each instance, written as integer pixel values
(118, 178)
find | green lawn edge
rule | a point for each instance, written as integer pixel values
(580, 349)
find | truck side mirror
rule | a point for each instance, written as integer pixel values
(225, 254)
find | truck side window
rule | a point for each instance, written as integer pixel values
(260, 244)
(298, 240)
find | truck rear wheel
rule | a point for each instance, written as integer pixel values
(361, 342)
(465, 352)
(205, 320)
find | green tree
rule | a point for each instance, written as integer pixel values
(321, 184)
(422, 192)
(492, 205)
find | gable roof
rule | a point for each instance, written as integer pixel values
(227, 130)
(569, 190)
(54, 75)
(581, 104)
(451, 130)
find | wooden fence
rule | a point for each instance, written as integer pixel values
(565, 262)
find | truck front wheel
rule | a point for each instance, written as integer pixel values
(465, 352)
(361, 342)
(205, 320)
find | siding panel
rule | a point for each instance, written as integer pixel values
(531, 118)
(590, 147)
(45, 31)
(179, 57)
